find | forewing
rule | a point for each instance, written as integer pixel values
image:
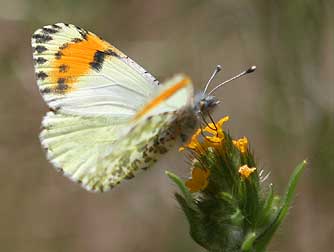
(78, 73)
(173, 95)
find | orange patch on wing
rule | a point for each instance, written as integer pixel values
(162, 97)
(74, 61)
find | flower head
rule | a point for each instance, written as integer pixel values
(224, 200)
(241, 144)
(245, 171)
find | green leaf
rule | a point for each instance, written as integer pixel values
(267, 208)
(248, 243)
(228, 198)
(263, 239)
(186, 194)
(197, 230)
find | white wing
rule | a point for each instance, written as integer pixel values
(110, 118)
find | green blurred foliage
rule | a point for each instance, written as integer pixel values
(286, 110)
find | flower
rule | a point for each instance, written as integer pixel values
(193, 144)
(199, 179)
(241, 144)
(245, 171)
(216, 130)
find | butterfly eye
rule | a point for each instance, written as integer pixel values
(201, 105)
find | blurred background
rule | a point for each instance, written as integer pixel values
(285, 109)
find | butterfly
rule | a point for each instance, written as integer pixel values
(109, 117)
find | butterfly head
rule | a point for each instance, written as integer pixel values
(205, 103)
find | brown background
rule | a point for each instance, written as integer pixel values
(285, 108)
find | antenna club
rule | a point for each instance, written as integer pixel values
(251, 69)
(217, 70)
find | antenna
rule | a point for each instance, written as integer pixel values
(249, 70)
(217, 70)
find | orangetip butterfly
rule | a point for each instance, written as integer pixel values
(108, 116)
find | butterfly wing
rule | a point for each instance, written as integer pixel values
(109, 117)
(79, 73)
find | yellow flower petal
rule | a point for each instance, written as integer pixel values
(241, 144)
(199, 180)
(215, 140)
(199, 173)
(195, 186)
(181, 149)
(245, 171)
(222, 121)
(197, 133)
(210, 128)
(193, 143)
(217, 127)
